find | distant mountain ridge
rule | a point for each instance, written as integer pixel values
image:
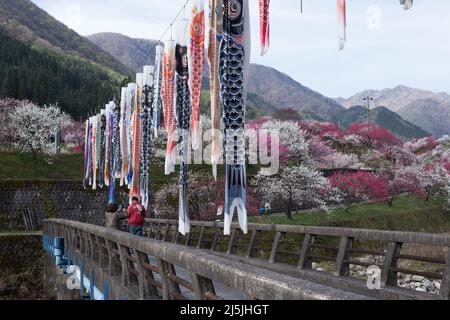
(382, 117)
(425, 109)
(26, 22)
(42, 60)
(276, 88)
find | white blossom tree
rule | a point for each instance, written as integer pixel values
(35, 128)
(292, 137)
(297, 186)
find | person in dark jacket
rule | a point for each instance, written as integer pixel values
(114, 215)
(136, 216)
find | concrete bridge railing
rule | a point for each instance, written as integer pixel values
(116, 265)
(293, 250)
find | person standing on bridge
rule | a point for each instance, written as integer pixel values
(136, 217)
(114, 215)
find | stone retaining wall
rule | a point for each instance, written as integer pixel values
(51, 199)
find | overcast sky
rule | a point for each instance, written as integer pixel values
(386, 46)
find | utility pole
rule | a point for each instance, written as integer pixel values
(368, 99)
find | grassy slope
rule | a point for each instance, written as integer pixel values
(407, 214)
(15, 166)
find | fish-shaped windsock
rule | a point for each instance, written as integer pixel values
(107, 167)
(111, 155)
(264, 25)
(131, 106)
(167, 93)
(137, 138)
(196, 58)
(102, 144)
(148, 85)
(116, 143)
(183, 118)
(86, 153)
(407, 4)
(94, 151)
(124, 135)
(215, 37)
(234, 61)
(342, 23)
(157, 101)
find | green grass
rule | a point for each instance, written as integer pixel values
(15, 166)
(408, 213)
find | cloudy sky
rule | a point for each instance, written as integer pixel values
(386, 46)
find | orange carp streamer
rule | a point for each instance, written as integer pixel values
(196, 66)
(342, 23)
(215, 36)
(168, 94)
(264, 25)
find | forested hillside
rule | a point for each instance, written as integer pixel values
(45, 77)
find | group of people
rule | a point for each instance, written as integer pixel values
(135, 214)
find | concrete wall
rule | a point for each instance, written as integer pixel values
(51, 199)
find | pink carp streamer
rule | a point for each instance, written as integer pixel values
(342, 23)
(123, 125)
(136, 139)
(264, 25)
(196, 65)
(215, 36)
(407, 4)
(168, 93)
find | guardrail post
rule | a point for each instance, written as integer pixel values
(169, 286)
(342, 265)
(305, 262)
(251, 244)
(231, 243)
(444, 292)
(157, 231)
(276, 243)
(112, 265)
(389, 277)
(202, 286)
(215, 240)
(146, 289)
(200, 237)
(126, 281)
(166, 232)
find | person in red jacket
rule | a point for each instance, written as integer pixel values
(136, 216)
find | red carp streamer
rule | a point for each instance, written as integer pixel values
(168, 94)
(342, 23)
(196, 66)
(264, 25)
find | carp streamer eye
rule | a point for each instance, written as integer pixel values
(198, 29)
(234, 9)
(185, 60)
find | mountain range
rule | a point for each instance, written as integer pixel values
(43, 60)
(425, 109)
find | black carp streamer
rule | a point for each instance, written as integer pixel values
(234, 58)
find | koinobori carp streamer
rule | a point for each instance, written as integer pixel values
(342, 23)
(234, 60)
(183, 117)
(196, 58)
(148, 86)
(215, 37)
(264, 25)
(407, 4)
(167, 93)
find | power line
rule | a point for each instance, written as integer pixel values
(183, 8)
